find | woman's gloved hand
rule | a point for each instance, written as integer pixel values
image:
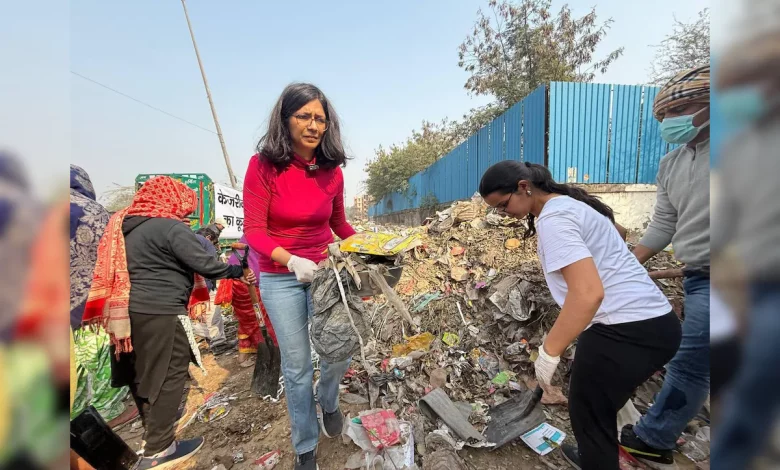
(545, 366)
(303, 268)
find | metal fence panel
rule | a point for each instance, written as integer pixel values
(513, 130)
(483, 152)
(496, 140)
(581, 129)
(579, 126)
(652, 147)
(534, 115)
(624, 145)
(472, 149)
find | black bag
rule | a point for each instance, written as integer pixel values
(94, 441)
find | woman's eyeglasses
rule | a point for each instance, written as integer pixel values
(501, 207)
(304, 120)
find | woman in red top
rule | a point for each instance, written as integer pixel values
(293, 198)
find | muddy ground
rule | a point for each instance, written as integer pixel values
(254, 427)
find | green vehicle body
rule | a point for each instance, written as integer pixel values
(203, 186)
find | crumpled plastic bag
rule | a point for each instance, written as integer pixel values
(513, 297)
(332, 335)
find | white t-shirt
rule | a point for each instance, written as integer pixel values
(570, 230)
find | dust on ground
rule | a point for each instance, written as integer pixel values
(255, 427)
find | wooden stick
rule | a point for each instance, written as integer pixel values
(666, 274)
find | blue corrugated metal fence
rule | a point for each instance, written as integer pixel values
(583, 132)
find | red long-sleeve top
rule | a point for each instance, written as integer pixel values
(294, 208)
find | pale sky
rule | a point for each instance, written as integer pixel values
(384, 66)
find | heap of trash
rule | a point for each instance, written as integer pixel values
(436, 356)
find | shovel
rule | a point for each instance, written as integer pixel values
(265, 379)
(515, 417)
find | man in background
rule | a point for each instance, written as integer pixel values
(681, 218)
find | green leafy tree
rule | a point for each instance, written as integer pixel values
(686, 47)
(393, 166)
(515, 47)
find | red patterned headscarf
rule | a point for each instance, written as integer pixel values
(109, 297)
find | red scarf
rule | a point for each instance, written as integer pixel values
(109, 297)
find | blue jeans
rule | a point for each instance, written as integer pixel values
(687, 381)
(751, 406)
(289, 307)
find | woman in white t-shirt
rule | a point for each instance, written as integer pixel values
(626, 327)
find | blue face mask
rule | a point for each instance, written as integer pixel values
(680, 129)
(740, 106)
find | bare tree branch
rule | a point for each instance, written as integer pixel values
(686, 47)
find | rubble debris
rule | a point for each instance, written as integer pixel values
(268, 461)
(458, 273)
(385, 441)
(696, 447)
(502, 378)
(479, 308)
(438, 378)
(353, 399)
(444, 459)
(544, 438)
(437, 405)
(515, 417)
(512, 244)
(627, 415)
(450, 339)
(382, 427)
(215, 407)
(421, 342)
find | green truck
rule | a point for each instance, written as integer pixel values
(203, 186)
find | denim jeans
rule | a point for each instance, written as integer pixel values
(687, 381)
(289, 307)
(751, 407)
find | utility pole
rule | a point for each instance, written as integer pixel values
(233, 180)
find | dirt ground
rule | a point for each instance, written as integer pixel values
(254, 427)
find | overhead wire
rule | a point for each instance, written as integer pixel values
(141, 102)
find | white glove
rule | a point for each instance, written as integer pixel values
(303, 268)
(545, 366)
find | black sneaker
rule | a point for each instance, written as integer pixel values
(655, 458)
(332, 423)
(173, 457)
(572, 455)
(307, 461)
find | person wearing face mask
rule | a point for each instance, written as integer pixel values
(682, 218)
(293, 203)
(625, 327)
(747, 223)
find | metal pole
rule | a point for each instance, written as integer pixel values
(233, 180)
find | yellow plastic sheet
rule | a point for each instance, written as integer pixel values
(421, 342)
(379, 244)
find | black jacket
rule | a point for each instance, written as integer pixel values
(162, 257)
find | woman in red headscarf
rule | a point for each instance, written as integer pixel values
(143, 280)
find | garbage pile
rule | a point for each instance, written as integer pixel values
(479, 309)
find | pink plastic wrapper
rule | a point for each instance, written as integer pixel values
(382, 427)
(268, 461)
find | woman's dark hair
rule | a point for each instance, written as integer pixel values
(276, 145)
(504, 176)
